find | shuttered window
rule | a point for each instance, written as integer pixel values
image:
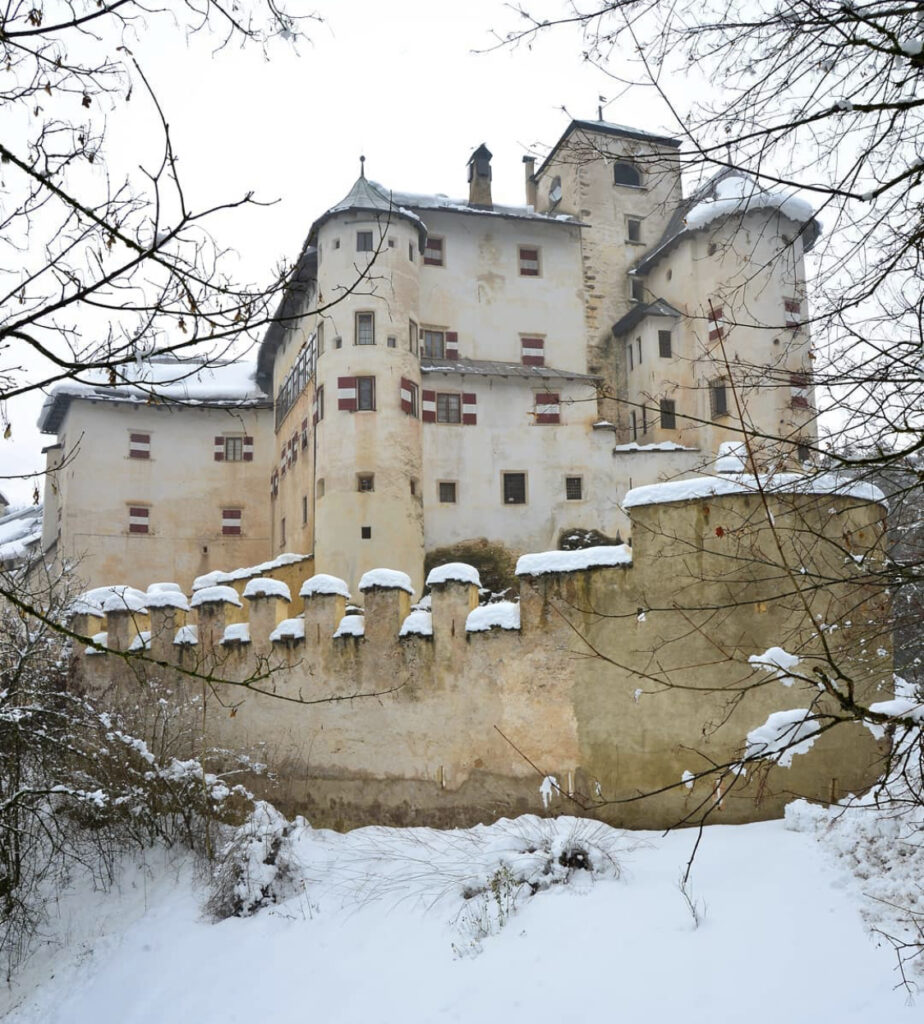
(529, 261)
(139, 446)
(138, 519)
(548, 407)
(231, 519)
(532, 351)
(433, 252)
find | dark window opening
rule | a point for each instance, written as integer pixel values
(668, 414)
(365, 532)
(447, 492)
(574, 488)
(626, 174)
(664, 344)
(514, 488)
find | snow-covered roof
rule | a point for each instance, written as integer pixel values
(215, 595)
(323, 583)
(217, 576)
(386, 579)
(609, 128)
(453, 572)
(236, 633)
(170, 380)
(20, 530)
(289, 629)
(370, 195)
(545, 562)
(746, 483)
(166, 598)
(418, 623)
(729, 193)
(351, 625)
(187, 635)
(500, 615)
(493, 368)
(265, 586)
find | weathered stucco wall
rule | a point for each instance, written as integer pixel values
(618, 681)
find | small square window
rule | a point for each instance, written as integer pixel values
(433, 252)
(365, 482)
(234, 449)
(231, 522)
(365, 328)
(365, 393)
(392, 341)
(514, 488)
(574, 488)
(633, 230)
(139, 518)
(139, 446)
(364, 241)
(668, 414)
(529, 261)
(448, 407)
(391, 243)
(447, 492)
(718, 399)
(338, 342)
(532, 351)
(664, 344)
(336, 243)
(365, 532)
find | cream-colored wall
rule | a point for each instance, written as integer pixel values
(185, 488)
(461, 721)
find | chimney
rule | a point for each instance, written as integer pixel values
(479, 177)
(532, 194)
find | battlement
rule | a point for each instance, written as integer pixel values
(606, 671)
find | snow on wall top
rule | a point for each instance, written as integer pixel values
(211, 579)
(544, 562)
(453, 572)
(500, 615)
(289, 629)
(322, 583)
(166, 595)
(215, 595)
(738, 195)
(661, 446)
(187, 635)
(186, 382)
(418, 623)
(351, 625)
(265, 586)
(116, 598)
(746, 483)
(387, 579)
(237, 632)
(731, 457)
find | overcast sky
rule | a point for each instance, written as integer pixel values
(399, 82)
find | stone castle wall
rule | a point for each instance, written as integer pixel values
(615, 681)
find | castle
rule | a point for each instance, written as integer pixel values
(446, 370)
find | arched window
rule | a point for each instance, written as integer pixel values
(555, 190)
(626, 174)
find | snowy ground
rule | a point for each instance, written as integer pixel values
(377, 931)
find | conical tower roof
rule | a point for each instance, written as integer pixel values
(369, 195)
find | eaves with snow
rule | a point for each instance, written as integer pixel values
(160, 379)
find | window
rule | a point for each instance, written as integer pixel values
(364, 241)
(434, 346)
(548, 407)
(791, 311)
(410, 251)
(138, 519)
(638, 347)
(716, 319)
(231, 522)
(644, 419)
(514, 488)
(803, 452)
(448, 407)
(574, 488)
(532, 351)
(336, 243)
(636, 289)
(555, 191)
(391, 243)
(338, 342)
(409, 398)
(319, 488)
(447, 492)
(365, 482)
(668, 414)
(139, 446)
(319, 404)
(320, 336)
(529, 261)
(282, 532)
(634, 425)
(365, 393)
(664, 344)
(365, 532)
(234, 449)
(628, 174)
(365, 328)
(629, 358)
(304, 510)
(799, 390)
(412, 337)
(633, 230)
(392, 341)
(433, 252)
(413, 485)
(718, 399)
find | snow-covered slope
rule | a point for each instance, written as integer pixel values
(377, 930)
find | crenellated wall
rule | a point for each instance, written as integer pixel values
(616, 678)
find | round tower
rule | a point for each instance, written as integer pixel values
(368, 507)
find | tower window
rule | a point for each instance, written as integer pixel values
(365, 328)
(574, 488)
(664, 344)
(448, 407)
(718, 399)
(304, 510)
(434, 346)
(365, 393)
(668, 414)
(392, 341)
(364, 241)
(514, 488)
(529, 261)
(433, 253)
(626, 174)
(447, 492)
(365, 482)
(633, 230)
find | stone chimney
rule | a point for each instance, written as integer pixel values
(532, 194)
(479, 177)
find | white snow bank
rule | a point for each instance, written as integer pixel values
(501, 615)
(736, 195)
(214, 595)
(453, 572)
(322, 583)
(351, 625)
(573, 561)
(418, 623)
(777, 662)
(166, 595)
(236, 632)
(782, 736)
(211, 579)
(387, 579)
(265, 586)
(289, 629)
(747, 483)
(186, 636)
